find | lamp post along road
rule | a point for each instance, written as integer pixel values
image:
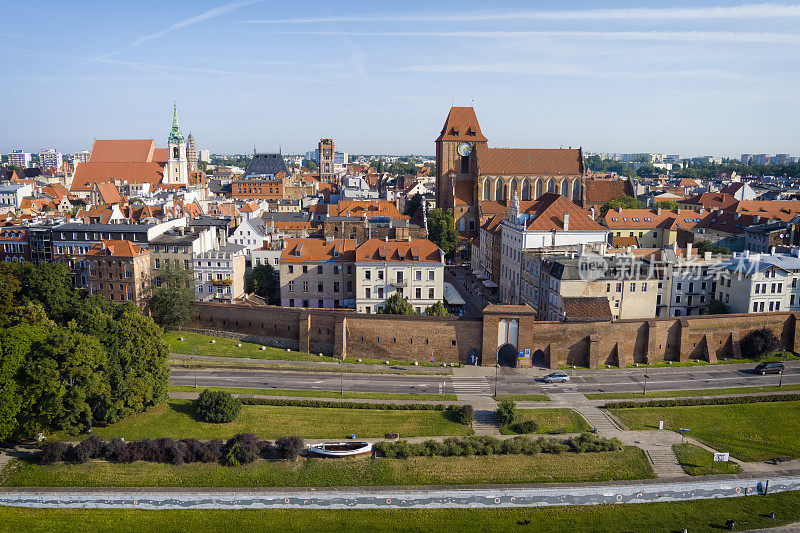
(646, 377)
(496, 368)
(195, 368)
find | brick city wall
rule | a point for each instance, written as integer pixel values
(416, 338)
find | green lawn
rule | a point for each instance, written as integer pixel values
(336, 395)
(750, 432)
(176, 362)
(175, 419)
(628, 463)
(777, 356)
(550, 421)
(696, 516)
(697, 461)
(523, 397)
(223, 347)
(693, 392)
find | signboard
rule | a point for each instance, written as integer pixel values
(721, 457)
(521, 355)
(431, 359)
(527, 352)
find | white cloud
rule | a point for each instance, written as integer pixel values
(679, 36)
(744, 11)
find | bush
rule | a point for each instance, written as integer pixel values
(210, 451)
(95, 446)
(589, 442)
(705, 401)
(52, 452)
(343, 405)
(529, 426)
(289, 447)
(464, 414)
(506, 413)
(217, 406)
(758, 343)
(116, 451)
(488, 445)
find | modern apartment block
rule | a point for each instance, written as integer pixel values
(51, 158)
(412, 268)
(759, 283)
(18, 158)
(318, 273)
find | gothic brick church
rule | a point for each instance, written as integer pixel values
(477, 182)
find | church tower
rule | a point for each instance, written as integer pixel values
(191, 153)
(455, 155)
(177, 170)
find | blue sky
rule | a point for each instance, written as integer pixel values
(677, 77)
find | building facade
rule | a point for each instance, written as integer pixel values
(219, 274)
(120, 271)
(326, 161)
(317, 273)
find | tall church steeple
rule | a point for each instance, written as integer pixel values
(177, 169)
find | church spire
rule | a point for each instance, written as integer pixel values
(175, 136)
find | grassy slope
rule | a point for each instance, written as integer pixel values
(321, 393)
(697, 516)
(693, 392)
(175, 419)
(697, 461)
(629, 463)
(224, 347)
(751, 432)
(551, 421)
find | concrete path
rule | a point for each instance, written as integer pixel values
(397, 497)
(476, 391)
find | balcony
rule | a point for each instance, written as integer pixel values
(399, 283)
(222, 282)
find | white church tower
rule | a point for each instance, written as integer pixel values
(177, 171)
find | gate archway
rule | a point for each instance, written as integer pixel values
(507, 355)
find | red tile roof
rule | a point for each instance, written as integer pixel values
(124, 151)
(397, 251)
(115, 248)
(548, 214)
(318, 250)
(368, 208)
(600, 191)
(710, 200)
(650, 218)
(529, 161)
(586, 308)
(461, 125)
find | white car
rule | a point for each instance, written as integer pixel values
(556, 377)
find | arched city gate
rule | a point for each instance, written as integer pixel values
(503, 338)
(507, 342)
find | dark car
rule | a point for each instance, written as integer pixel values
(769, 368)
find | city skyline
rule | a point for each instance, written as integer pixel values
(701, 78)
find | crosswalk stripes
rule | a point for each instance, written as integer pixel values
(471, 385)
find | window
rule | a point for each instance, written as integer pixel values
(367, 292)
(380, 274)
(380, 292)
(431, 294)
(758, 288)
(418, 293)
(158, 263)
(431, 275)
(418, 275)
(337, 269)
(678, 299)
(399, 276)
(633, 287)
(755, 307)
(305, 269)
(367, 274)
(335, 286)
(320, 304)
(319, 287)
(291, 269)
(305, 288)
(291, 286)
(319, 269)
(619, 287)
(644, 287)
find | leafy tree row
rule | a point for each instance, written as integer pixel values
(66, 361)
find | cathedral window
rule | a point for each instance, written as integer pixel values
(464, 164)
(499, 194)
(565, 188)
(174, 152)
(538, 188)
(551, 186)
(576, 191)
(513, 192)
(487, 189)
(526, 189)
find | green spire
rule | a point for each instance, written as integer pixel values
(175, 137)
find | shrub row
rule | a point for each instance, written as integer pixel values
(241, 449)
(488, 445)
(705, 401)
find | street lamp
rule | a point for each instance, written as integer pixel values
(780, 380)
(646, 377)
(496, 368)
(341, 378)
(195, 368)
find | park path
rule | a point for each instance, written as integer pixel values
(472, 387)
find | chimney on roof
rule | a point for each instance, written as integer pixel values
(593, 214)
(386, 238)
(756, 219)
(688, 250)
(701, 211)
(678, 211)
(566, 220)
(772, 251)
(658, 211)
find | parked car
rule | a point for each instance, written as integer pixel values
(556, 377)
(769, 368)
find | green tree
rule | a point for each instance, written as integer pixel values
(310, 164)
(667, 204)
(715, 307)
(50, 284)
(265, 282)
(620, 202)
(172, 304)
(442, 230)
(413, 204)
(397, 305)
(437, 309)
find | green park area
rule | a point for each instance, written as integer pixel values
(750, 432)
(549, 421)
(199, 344)
(695, 516)
(688, 393)
(697, 461)
(523, 397)
(336, 395)
(628, 463)
(176, 419)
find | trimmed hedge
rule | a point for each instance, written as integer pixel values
(705, 401)
(217, 406)
(349, 405)
(506, 413)
(241, 449)
(488, 445)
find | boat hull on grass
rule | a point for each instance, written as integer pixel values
(339, 449)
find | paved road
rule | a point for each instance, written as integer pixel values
(313, 381)
(509, 381)
(459, 278)
(397, 498)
